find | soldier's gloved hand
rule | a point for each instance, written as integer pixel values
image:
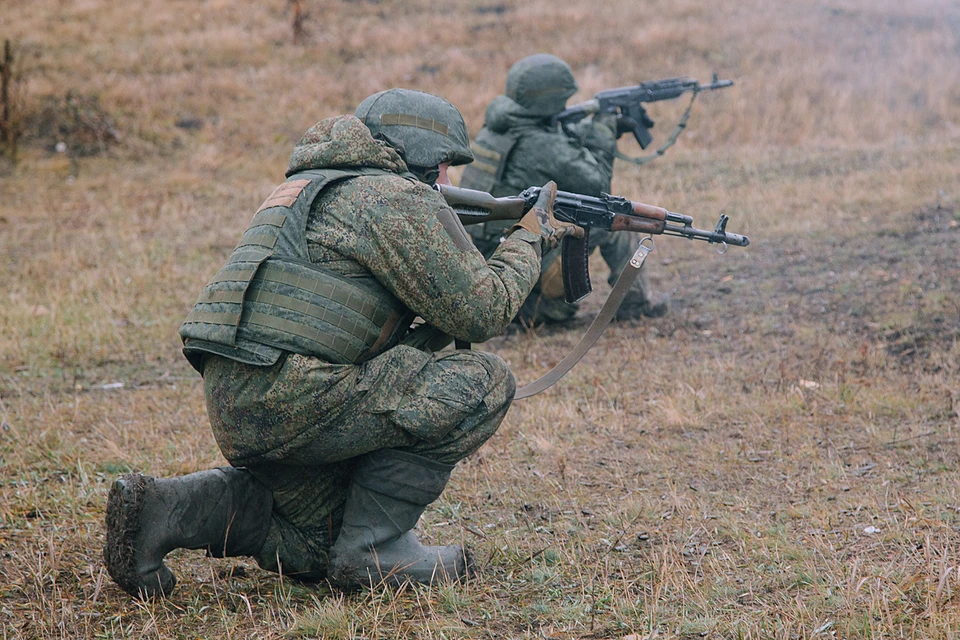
(625, 124)
(609, 120)
(540, 219)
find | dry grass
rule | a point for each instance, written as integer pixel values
(775, 459)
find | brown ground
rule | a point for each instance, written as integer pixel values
(777, 458)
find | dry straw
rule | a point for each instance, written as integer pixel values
(775, 459)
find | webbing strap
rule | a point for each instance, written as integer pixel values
(486, 167)
(233, 275)
(642, 160)
(410, 120)
(210, 317)
(324, 339)
(546, 91)
(212, 297)
(609, 309)
(332, 289)
(486, 154)
(268, 240)
(270, 218)
(249, 253)
(324, 314)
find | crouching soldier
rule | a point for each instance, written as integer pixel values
(339, 433)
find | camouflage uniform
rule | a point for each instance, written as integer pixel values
(517, 148)
(299, 425)
(304, 419)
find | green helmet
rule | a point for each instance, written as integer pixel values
(541, 83)
(425, 129)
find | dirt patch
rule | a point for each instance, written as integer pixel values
(898, 286)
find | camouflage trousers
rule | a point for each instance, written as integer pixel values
(545, 304)
(299, 426)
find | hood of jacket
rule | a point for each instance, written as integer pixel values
(343, 142)
(504, 114)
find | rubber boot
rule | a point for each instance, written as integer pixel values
(389, 490)
(649, 308)
(225, 511)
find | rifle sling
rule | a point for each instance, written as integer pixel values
(609, 309)
(681, 125)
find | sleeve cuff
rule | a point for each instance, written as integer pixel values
(521, 234)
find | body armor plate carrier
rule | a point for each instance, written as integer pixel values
(490, 152)
(485, 173)
(269, 298)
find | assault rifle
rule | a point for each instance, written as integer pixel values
(627, 101)
(608, 212)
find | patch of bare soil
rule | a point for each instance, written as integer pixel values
(897, 285)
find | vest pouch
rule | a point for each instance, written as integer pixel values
(303, 308)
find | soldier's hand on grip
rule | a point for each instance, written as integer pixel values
(609, 120)
(540, 219)
(625, 124)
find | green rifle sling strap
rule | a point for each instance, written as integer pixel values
(681, 125)
(599, 324)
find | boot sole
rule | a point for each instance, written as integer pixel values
(124, 505)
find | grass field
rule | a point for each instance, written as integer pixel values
(776, 458)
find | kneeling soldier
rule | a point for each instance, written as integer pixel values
(340, 428)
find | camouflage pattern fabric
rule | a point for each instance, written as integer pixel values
(393, 228)
(579, 160)
(299, 424)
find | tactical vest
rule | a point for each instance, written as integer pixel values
(269, 298)
(490, 153)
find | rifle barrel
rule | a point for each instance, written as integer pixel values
(608, 212)
(716, 84)
(713, 237)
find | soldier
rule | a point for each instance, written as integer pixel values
(518, 148)
(338, 429)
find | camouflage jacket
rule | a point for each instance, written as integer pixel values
(402, 232)
(579, 159)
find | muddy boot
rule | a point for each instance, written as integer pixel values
(223, 510)
(389, 490)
